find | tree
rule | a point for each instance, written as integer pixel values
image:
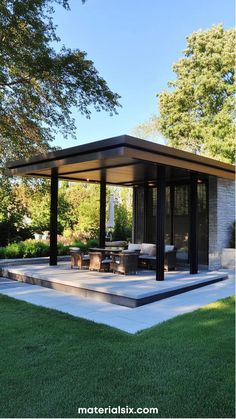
(39, 85)
(197, 113)
(12, 213)
(123, 215)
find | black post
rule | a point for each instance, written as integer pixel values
(193, 240)
(134, 223)
(53, 217)
(160, 222)
(172, 207)
(145, 211)
(102, 231)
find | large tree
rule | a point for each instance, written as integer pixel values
(39, 84)
(197, 112)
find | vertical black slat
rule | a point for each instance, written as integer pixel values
(193, 209)
(160, 222)
(172, 206)
(134, 223)
(146, 211)
(102, 231)
(53, 217)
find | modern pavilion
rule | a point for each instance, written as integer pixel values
(179, 198)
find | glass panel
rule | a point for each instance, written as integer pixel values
(139, 215)
(151, 215)
(181, 221)
(168, 217)
(202, 224)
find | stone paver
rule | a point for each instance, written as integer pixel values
(123, 318)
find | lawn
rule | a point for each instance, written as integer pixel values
(52, 363)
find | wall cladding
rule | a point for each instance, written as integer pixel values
(221, 217)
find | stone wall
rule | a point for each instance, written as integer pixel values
(221, 217)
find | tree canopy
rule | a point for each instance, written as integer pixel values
(39, 84)
(197, 112)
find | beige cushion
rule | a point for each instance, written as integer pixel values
(152, 251)
(133, 247)
(169, 247)
(147, 248)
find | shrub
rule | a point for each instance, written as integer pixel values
(123, 224)
(14, 250)
(62, 249)
(92, 243)
(34, 248)
(83, 247)
(30, 249)
(2, 253)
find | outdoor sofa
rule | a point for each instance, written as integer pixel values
(147, 255)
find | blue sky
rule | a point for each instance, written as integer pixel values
(133, 44)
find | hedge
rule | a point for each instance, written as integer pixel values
(30, 249)
(35, 248)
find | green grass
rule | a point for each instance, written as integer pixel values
(52, 363)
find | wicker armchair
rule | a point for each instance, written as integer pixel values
(78, 259)
(125, 263)
(97, 262)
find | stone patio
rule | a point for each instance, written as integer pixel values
(123, 318)
(130, 291)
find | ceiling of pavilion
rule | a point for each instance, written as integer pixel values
(120, 160)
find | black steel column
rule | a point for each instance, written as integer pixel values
(160, 222)
(145, 212)
(193, 240)
(102, 231)
(53, 217)
(172, 207)
(134, 221)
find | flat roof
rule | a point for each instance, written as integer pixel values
(122, 160)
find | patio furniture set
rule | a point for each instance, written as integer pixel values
(117, 257)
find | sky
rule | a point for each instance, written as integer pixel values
(133, 44)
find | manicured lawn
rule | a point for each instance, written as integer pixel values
(52, 363)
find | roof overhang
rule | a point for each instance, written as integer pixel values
(123, 160)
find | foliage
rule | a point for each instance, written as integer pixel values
(85, 246)
(30, 249)
(232, 236)
(39, 208)
(10, 233)
(39, 84)
(184, 366)
(84, 203)
(123, 223)
(148, 130)
(34, 248)
(12, 213)
(26, 210)
(123, 215)
(197, 113)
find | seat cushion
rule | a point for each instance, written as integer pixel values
(106, 260)
(147, 248)
(74, 249)
(133, 247)
(169, 248)
(153, 251)
(147, 257)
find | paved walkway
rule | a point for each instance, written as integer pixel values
(124, 318)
